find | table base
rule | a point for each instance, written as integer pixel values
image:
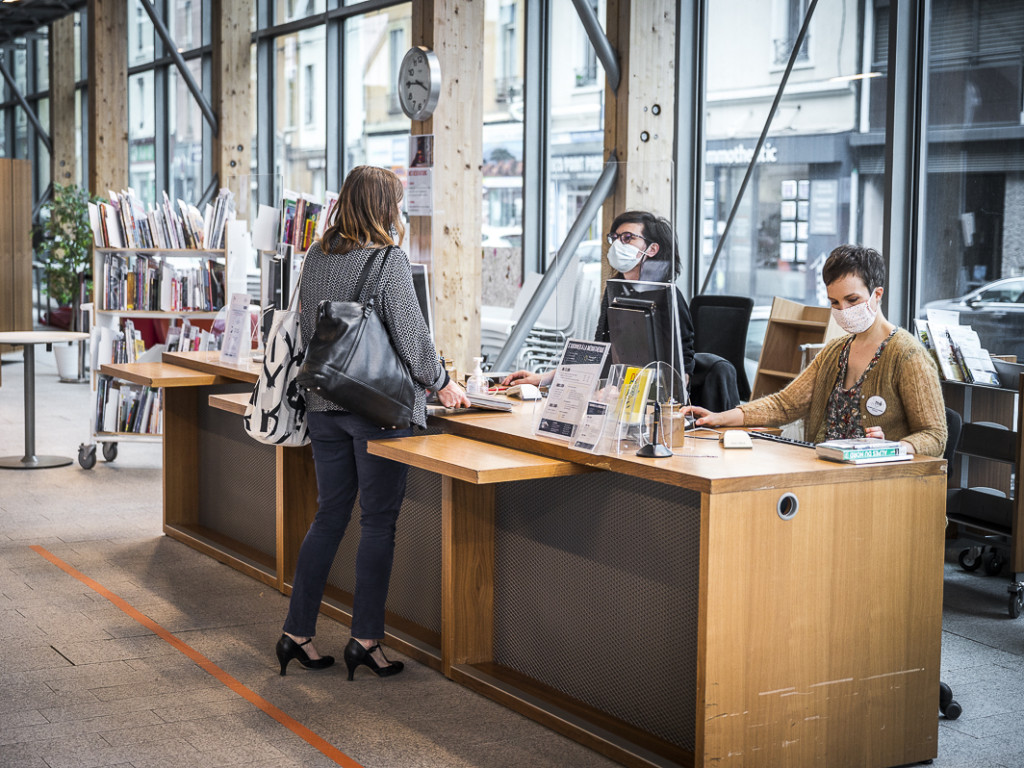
(35, 462)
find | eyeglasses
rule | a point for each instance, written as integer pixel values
(625, 237)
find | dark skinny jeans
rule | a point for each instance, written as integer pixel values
(343, 467)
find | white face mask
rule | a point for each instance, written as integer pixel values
(855, 319)
(623, 258)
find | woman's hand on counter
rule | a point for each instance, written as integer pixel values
(453, 396)
(705, 418)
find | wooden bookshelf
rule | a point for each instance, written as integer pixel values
(790, 325)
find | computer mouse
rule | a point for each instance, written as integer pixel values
(523, 392)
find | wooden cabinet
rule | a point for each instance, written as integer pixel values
(790, 326)
(15, 246)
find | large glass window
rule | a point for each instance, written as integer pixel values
(375, 132)
(503, 152)
(300, 144)
(185, 137)
(974, 184)
(808, 191)
(140, 35)
(576, 122)
(290, 10)
(186, 23)
(141, 137)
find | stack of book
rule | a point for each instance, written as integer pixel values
(139, 282)
(862, 450)
(124, 222)
(303, 219)
(958, 352)
(127, 408)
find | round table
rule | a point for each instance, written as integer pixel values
(28, 340)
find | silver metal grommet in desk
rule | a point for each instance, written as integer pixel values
(787, 506)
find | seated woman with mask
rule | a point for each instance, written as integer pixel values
(878, 381)
(643, 247)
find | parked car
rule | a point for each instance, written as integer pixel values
(995, 311)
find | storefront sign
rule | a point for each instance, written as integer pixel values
(741, 154)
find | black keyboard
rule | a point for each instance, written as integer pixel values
(781, 439)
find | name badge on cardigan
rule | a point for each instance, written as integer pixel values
(876, 405)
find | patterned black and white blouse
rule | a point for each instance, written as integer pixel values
(333, 277)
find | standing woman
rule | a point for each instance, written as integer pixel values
(365, 220)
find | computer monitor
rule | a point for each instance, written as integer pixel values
(421, 284)
(643, 326)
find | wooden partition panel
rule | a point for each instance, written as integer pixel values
(181, 456)
(296, 506)
(467, 573)
(820, 635)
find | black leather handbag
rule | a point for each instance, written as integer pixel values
(351, 361)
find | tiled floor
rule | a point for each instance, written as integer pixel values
(83, 685)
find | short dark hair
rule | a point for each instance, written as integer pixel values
(865, 263)
(657, 229)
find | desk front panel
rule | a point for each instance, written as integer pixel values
(596, 595)
(236, 477)
(414, 597)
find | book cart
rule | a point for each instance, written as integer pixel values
(141, 422)
(984, 500)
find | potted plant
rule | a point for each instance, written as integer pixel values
(64, 237)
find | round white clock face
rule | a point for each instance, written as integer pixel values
(419, 83)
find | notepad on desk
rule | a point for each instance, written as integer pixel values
(489, 402)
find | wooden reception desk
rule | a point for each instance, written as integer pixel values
(716, 608)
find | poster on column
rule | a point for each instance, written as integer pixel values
(419, 193)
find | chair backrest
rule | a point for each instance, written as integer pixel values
(954, 424)
(720, 325)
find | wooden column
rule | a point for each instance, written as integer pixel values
(639, 117)
(62, 100)
(108, 95)
(450, 241)
(232, 98)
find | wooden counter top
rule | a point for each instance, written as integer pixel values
(160, 375)
(209, 362)
(471, 460)
(700, 465)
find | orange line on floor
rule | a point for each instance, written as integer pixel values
(287, 721)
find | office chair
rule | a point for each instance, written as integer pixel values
(949, 708)
(720, 324)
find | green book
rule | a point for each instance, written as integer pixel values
(862, 450)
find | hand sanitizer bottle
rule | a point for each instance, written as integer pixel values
(477, 384)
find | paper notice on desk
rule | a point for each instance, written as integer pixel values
(236, 329)
(575, 380)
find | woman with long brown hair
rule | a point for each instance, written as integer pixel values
(365, 220)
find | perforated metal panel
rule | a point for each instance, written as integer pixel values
(236, 484)
(596, 595)
(415, 592)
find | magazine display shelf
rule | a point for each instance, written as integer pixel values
(111, 318)
(984, 498)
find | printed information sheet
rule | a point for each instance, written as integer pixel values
(576, 378)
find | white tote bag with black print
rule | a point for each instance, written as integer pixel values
(276, 413)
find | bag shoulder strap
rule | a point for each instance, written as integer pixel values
(380, 272)
(365, 273)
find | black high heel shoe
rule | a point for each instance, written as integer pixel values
(356, 654)
(287, 649)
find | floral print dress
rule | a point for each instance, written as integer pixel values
(842, 415)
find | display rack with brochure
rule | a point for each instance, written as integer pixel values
(575, 381)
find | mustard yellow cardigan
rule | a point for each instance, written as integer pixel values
(905, 377)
